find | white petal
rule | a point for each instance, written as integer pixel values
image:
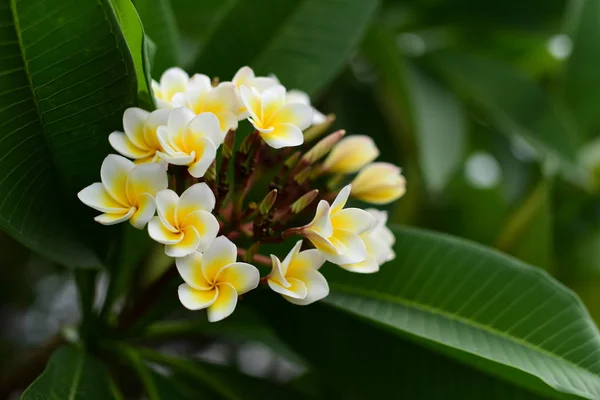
(190, 269)
(146, 178)
(341, 199)
(220, 253)
(296, 114)
(272, 99)
(134, 120)
(145, 211)
(321, 223)
(369, 266)
(242, 276)
(283, 135)
(113, 173)
(179, 120)
(225, 303)
(206, 225)
(112, 219)
(291, 255)
(251, 100)
(166, 205)
(277, 274)
(296, 289)
(121, 143)
(197, 197)
(207, 125)
(354, 251)
(161, 234)
(297, 96)
(188, 245)
(353, 220)
(196, 299)
(98, 198)
(243, 76)
(204, 160)
(199, 83)
(316, 285)
(172, 81)
(262, 83)
(307, 259)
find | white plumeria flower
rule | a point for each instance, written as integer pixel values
(190, 140)
(139, 140)
(172, 81)
(245, 77)
(126, 191)
(201, 97)
(280, 124)
(184, 224)
(378, 241)
(336, 231)
(297, 278)
(351, 154)
(298, 96)
(379, 183)
(214, 280)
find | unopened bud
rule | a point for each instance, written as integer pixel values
(304, 201)
(303, 175)
(267, 203)
(228, 145)
(292, 160)
(379, 183)
(316, 131)
(323, 146)
(351, 154)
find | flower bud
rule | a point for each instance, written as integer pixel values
(267, 203)
(379, 183)
(315, 131)
(351, 154)
(323, 146)
(304, 201)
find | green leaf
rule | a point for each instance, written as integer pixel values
(66, 78)
(582, 82)
(136, 40)
(72, 374)
(512, 101)
(440, 127)
(482, 307)
(353, 360)
(304, 42)
(159, 24)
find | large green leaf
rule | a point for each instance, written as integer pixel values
(303, 42)
(66, 75)
(482, 307)
(160, 26)
(582, 82)
(75, 375)
(352, 360)
(512, 101)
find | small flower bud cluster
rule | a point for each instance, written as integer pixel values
(167, 178)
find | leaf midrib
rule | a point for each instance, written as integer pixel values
(347, 289)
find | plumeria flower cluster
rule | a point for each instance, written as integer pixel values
(182, 174)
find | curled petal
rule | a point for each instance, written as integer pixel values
(121, 143)
(205, 153)
(134, 120)
(193, 299)
(179, 119)
(321, 223)
(113, 173)
(369, 266)
(353, 220)
(296, 289)
(98, 198)
(289, 258)
(317, 288)
(242, 276)
(112, 219)
(197, 197)
(251, 100)
(205, 224)
(353, 248)
(206, 125)
(188, 244)
(156, 119)
(160, 233)
(145, 211)
(220, 253)
(283, 135)
(341, 199)
(225, 303)
(190, 269)
(166, 205)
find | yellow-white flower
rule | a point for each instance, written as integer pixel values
(336, 231)
(214, 280)
(298, 96)
(351, 154)
(245, 77)
(379, 183)
(378, 241)
(297, 278)
(201, 97)
(172, 81)
(126, 191)
(139, 140)
(184, 224)
(279, 123)
(190, 140)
